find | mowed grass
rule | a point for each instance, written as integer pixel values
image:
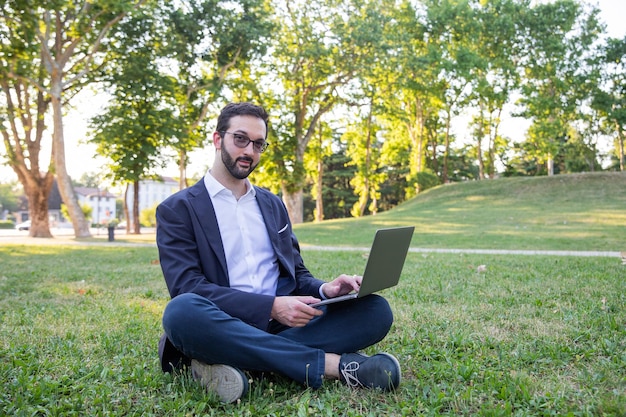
(564, 212)
(475, 334)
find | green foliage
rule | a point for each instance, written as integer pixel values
(572, 155)
(364, 152)
(86, 209)
(317, 51)
(211, 43)
(147, 216)
(136, 125)
(9, 197)
(409, 71)
(609, 96)
(427, 179)
(88, 179)
(552, 86)
(336, 191)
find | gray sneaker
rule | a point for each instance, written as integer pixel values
(228, 383)
(379, 371)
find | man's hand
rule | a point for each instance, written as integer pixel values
(342, 285)
(294, 311)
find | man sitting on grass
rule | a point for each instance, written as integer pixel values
(240, 291)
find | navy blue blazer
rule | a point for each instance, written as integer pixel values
(192, 254)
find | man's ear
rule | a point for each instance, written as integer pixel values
(217, 140)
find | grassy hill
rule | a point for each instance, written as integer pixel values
(563, 212)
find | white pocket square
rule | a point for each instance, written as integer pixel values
(283, 229)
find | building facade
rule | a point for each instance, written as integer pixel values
(151, 193)
(101, 201)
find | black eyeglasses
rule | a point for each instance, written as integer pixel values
(242, 141)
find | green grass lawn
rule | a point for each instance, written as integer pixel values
(564, 212)
(475, 334)
(528, 335)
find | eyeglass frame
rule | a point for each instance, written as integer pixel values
(255, 143)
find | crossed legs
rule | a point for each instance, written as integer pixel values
(199, 329)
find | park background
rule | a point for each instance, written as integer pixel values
(370, 104)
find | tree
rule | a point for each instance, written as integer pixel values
(319, 149)
(137, 124)
(364, 152)
(88, 179)
(337, 193)
(319, 49)
(412, 89)
(559, 37)
(54, 46)
(209, 44)
(23, 112)
(497, 76)
(609, 98)
(454, 32)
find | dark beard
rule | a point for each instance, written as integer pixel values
(231, 165)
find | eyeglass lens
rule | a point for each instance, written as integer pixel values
(242, 141)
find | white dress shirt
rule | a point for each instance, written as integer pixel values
(250, 257)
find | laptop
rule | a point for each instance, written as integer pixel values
(384, 264)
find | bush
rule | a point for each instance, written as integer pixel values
(147, 217)
(427, 179)
(7, 224)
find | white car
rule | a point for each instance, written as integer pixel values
(23, 226)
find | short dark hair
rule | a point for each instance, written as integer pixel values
(240, 109)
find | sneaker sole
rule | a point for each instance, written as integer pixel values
(228, 383)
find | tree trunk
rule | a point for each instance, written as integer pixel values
(182, 170)
(136, 222)
(37, 195)
(495, 126)
(126, 212)
(81, 227)
(293, 202)
(374, 205)
(319, 198)
(550, 165)
(365, 193)
(479, 155)
(446, 151)
(479, 143)
(620, 147)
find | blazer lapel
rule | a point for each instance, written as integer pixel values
(203, 208)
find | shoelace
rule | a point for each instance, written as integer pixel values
(349, 374)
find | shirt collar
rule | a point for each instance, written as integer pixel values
(214, 187)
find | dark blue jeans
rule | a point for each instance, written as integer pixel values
(204, 332)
